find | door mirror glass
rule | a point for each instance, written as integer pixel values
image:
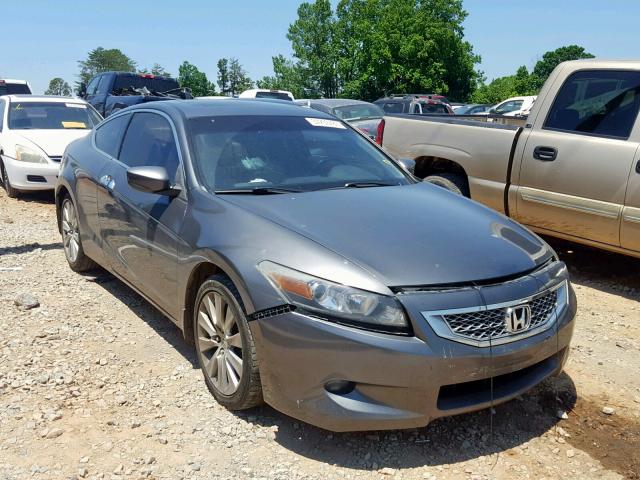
(408, 164)
(151, 180)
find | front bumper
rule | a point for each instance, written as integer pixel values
(400, 382)
(31, 176)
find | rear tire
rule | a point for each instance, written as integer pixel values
(70, 228)
(451, 181)
(11, 192)
(224, 345)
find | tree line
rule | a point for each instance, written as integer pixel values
(362, 49)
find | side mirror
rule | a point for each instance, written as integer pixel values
(151, 180)
(408, 164)
(492, 111)
(82, 90)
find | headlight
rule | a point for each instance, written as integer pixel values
(26, 154)
(336, 302)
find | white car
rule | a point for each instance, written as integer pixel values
(34, 132)
(10, 86)
(264, 93)
(514, 106)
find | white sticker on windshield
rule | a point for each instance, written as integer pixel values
(322, 122)
(75, 105)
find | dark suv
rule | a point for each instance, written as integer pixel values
(112, 91)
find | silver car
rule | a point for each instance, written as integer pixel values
(311, 270)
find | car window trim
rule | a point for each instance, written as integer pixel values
(179, 182)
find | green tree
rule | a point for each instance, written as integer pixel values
(58, 86)
(190, 77)
(158, 70)
(287, 76)
(101, 60)
(223, 76)
(552, 59)
(315, 47)
(239, 81)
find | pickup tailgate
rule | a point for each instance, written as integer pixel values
(484, 150)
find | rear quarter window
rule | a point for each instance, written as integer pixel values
(108, 136)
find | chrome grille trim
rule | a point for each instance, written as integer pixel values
(483, 326)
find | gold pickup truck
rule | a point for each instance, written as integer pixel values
(572, 171)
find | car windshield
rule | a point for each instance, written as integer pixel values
(154, 84)
(276, 95)
(51, 116)
(256, 153)
(14, 88)
(358, 111)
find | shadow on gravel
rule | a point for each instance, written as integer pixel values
(444, 441)
(143, 309)
(28, 248)
(47, 196)
(606, 271)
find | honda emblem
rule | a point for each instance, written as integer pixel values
(517, 319)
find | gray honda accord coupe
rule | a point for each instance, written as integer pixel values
(311, 270)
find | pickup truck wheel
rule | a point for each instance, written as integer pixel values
(451, 181)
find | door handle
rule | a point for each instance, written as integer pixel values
(546, 154)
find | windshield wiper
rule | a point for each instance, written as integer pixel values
(367, 184)
(258, 191)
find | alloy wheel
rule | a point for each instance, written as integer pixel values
(219, 343)
(70, 234)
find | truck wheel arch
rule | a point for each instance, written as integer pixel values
(436, 166)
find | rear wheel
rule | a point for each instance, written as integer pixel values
(11, 192)
(71, 242)
(225, 347)
(451, 181)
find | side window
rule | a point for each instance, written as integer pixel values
(597, 102)
(103, 85)
(2, 108)
(93, 85)
(109, 135)
(149, 141)
(393, 107)
(416, 108)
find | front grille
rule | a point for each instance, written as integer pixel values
(56, 159)
(490, 324)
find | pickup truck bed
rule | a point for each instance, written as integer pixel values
(573, 169)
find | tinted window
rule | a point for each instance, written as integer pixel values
(149, 141)
(127, 81)
(2, 106)
(434, 108)
(14, 88)
(358, 111)
(601, 102)
(276, 95)
(51, 116)
(246, 152)
(109, 135)
(103, 86)
(93, 85)
(392, 107)
(511, 106)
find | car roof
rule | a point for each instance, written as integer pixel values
(231, 107)
(43, 98)
(13, 80)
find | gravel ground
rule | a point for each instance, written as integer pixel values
(95, 384)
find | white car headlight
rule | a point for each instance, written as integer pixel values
(26, 154)
(334, 301)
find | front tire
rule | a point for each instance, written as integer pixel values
(70, 227)
(11, 192)
(224, 345)
(451, 181)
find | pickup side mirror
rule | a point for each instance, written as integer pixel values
(408, 164)
(492, 111)
(82, 90)
(151, 180)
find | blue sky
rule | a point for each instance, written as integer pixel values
(42, 39)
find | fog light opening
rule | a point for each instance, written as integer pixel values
(340, 387)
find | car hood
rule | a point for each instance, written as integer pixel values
(52, 142)
(415, 235)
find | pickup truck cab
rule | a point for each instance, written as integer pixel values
(514, 106)
(112, 91)
(413, 104)
(10, 86)
(573, 171)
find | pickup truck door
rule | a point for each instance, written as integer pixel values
(630, 229)
(97, 92)
(576, 160)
